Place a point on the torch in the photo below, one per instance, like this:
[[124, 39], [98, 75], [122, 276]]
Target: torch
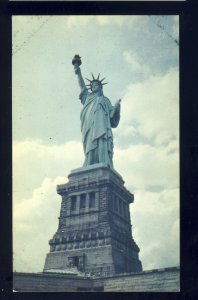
[[76, 61]]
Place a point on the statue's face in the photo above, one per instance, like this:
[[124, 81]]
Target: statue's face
[[95, 87]]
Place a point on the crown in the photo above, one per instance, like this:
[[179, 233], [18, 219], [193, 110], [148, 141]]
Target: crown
[[95, 80]]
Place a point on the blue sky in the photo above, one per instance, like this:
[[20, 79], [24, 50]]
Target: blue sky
[[140, 63]]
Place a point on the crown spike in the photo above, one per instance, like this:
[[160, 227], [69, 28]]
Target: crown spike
[[98, 76], [88, 80], [93, 76], [102, 79], [104, 83]]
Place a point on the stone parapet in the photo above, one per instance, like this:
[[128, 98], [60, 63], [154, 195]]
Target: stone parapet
[[161, 280], [157, 280]]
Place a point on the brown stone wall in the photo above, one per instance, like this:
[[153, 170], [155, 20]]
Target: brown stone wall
[[30, 282], [162, 280]]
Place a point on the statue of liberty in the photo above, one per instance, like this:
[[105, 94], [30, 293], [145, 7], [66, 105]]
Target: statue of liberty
[[98, 116]]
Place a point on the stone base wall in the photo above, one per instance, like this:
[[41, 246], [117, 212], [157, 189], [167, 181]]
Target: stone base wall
[[162, 280], [32, 282]]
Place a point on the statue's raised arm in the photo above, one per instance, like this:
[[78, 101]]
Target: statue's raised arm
[[76, 61]]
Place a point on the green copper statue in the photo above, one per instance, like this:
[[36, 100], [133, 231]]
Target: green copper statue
[[98, 116]]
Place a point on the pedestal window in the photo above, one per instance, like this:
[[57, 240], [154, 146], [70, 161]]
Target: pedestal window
[[92, 200], [73, 203], [82, 201]]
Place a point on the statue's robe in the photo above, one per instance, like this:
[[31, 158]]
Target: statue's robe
[[97, 118]]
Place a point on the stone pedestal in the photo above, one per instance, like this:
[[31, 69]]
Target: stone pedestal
[[94, 232]]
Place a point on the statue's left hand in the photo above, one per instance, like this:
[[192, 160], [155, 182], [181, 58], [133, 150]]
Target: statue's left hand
[[117, 103]]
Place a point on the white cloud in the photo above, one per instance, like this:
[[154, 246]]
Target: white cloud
[[153, 105], [35, 221], [64, 151], [155, 219], [137, 66], [122, 20], [106, 20], [76, 20], [129, 131], [144, 165], [33, 161]]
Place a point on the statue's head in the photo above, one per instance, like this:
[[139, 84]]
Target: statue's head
[[96, 84]]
